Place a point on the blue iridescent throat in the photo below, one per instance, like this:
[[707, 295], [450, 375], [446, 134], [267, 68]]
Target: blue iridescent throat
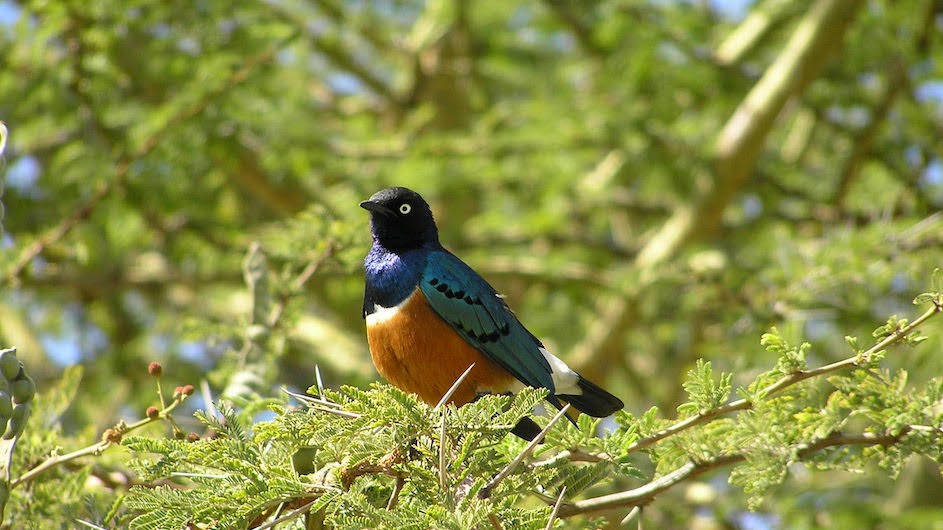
[[391, 277]]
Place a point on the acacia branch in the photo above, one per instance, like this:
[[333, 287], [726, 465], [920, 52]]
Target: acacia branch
[[110, 437], [741, 140], [485, 492], [753, 30], [297, 286], [645, 494], [784, 382]]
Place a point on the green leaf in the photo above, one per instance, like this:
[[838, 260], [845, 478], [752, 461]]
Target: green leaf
[[704, 392], [925, 298], [853, 342]]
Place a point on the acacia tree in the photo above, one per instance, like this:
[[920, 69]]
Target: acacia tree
[[709, 211]]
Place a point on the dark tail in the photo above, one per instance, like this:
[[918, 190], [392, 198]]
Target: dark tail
[[594, 400], [526, 429]]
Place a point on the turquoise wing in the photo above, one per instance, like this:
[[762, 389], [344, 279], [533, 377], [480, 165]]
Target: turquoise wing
[[475, 310]]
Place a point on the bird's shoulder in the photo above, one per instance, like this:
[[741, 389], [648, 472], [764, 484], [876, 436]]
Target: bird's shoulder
[[476, 311], [463, 297], [446, 276]]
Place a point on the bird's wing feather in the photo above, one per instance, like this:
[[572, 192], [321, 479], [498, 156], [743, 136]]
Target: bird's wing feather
[[473, 308]]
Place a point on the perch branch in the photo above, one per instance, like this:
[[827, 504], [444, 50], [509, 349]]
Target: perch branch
[[644, 494], [785, 382]]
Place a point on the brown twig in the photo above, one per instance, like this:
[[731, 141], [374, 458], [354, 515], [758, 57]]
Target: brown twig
[[397, 489]]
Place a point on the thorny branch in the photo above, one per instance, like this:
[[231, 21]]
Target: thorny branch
[[110, 437], [645, 494], [785, 382]]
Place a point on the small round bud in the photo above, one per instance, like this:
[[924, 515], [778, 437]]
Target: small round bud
[[178, 391], [152, 413], [155, 369], [187, 390], [112, 436], [193, 437], [180, 435]]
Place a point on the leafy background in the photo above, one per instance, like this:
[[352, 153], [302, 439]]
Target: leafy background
[[650, 183]]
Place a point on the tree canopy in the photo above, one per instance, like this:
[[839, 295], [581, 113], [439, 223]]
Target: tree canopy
[[721, 211]]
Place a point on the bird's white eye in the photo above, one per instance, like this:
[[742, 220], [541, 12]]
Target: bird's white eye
[[405, 208]]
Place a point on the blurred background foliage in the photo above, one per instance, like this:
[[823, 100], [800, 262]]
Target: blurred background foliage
[[645, 180]]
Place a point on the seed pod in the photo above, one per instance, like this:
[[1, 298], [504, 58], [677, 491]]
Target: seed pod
[[9, 364], [23, 390], [6, 407], [17, 421]]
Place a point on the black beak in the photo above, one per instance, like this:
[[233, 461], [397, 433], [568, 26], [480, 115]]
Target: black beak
[[374, 207]]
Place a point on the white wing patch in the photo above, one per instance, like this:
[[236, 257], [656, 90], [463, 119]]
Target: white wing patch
[[381, 315], [565, 380]]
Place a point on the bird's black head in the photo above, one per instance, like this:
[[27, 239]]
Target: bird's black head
[[400, 219]]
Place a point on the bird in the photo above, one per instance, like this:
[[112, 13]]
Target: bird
[[429, 317]]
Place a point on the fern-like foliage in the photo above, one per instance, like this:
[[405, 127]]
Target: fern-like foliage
[[361, 459]]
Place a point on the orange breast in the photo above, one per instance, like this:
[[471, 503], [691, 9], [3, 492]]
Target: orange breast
[[417, 351]]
